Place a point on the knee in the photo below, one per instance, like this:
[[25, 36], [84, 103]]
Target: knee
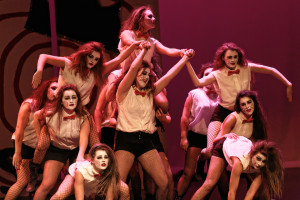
[[208, 185], [46, 187], [188, 174], [163, 184]]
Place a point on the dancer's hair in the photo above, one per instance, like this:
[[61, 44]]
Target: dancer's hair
[[220, 53], [134, 20], [79, 58], [259, 122], [39, 95], [110, 176], [272, 172], [203, 68]]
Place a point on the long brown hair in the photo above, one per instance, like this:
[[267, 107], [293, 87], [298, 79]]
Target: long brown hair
[[259, 124], [220, 53], [79, 57], [39, 95], [110, 176], [134, 20], [272, 173]]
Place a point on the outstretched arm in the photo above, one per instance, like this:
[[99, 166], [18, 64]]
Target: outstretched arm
[[46, 59], [169, 51], [274, 72], [129, 78], [83, 139], [165, 80], [253, 188], [206, 80], [112, 64], [79, 186], [236, 171], [184, 144], [22, 121], [226, 128]]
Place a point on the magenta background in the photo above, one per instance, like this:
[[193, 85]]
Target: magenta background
[[268, 31]]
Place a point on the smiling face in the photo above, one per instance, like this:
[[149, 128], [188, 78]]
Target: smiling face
[[258, 160], [247, 106], [142, 78], [231, 58], [69, 101], [101, 160], [92, 59], [51, 91], [149, 20]]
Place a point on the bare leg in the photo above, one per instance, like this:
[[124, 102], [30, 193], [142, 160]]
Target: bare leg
[[65, 189], [212, 131], [216, 168], [52, 170], [22, 179], [152, 163], [189, 170], [169, 174]]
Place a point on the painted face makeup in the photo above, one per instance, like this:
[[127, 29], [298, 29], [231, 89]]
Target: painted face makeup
[[101, 160], [52, 91], [149, 20], [247, 106], [69, 101], [92, 59], [142, 78], [231, 59], [258, 161]]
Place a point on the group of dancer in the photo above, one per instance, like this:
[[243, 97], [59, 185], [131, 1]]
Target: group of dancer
[[222, 121]]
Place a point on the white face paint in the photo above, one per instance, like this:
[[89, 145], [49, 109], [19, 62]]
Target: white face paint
[[247, 106], [231, 58], [101, 160], [149, 20], [258, 161], [92, 59], [69, 100], [142, 78], [51, 91]]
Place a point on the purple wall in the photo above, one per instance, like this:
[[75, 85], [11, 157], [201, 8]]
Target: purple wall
[[268, 31]]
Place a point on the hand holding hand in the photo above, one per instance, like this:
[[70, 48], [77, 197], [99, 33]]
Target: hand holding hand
[[190, 53], [145, 45]]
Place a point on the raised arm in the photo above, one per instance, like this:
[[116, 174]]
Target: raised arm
[[206, 80], [165, 80], [253, 187], [274, 72], [79, 186], [129, 78], [236, 171], [184, 123], [169, 51], [226, 128], [83, 139], [112, 64], [22, 121], [46, 59]]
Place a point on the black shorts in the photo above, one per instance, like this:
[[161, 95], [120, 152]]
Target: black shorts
[[220, 113], [61, 155], [218, 149], [108, 136], [156, 142], [136, 143], [196, 140], [27, 152]]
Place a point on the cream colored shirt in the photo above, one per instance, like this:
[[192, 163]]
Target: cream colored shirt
[[136, 113], [227, 87]]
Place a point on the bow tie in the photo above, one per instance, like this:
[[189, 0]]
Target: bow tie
[[72, 117], [97, 175], [233, 72], [142, 93], [146, 35], [247, 121]]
